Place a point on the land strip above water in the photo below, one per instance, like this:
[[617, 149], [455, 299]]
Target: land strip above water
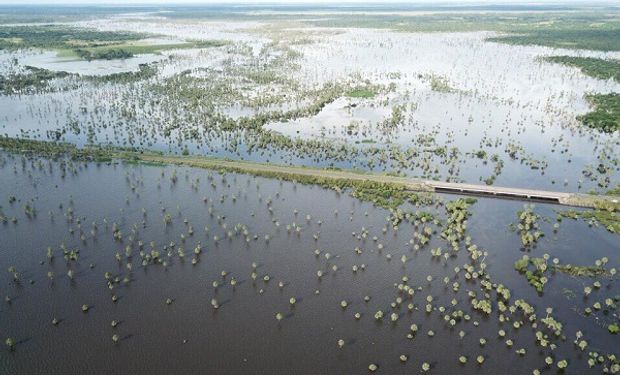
[[320, 176], [412, 184]]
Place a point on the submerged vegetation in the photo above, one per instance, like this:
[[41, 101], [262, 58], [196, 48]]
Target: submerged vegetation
[[562, 29], [87, 44], [127, 50], [536, 276], [608, 218], [362, 92], [34, 80], [606, 114], [59, 37], [528, 226], [539, 270], [588, 30], [603, 39], [37, 80], [250, 102], [302, 174], [594, 67], [382, 194], [480, 295], [107, 54], [440, 84]]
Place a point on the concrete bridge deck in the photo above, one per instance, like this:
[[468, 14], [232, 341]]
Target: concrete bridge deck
[[499, 191]]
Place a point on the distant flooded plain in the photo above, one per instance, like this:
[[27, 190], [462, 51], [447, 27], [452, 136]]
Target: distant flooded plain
[[466, 108]]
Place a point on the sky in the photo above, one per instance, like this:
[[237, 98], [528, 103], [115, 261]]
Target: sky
[[130, 2]]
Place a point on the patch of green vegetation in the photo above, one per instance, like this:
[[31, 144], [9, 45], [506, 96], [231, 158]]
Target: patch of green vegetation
[[33, 80], [395, 119], [145, 71], [105, 54], [440, 84], [535, 276], [528, 226], [87, 44], [586, 29], [583, 38], [198, 92], [384, 195], [127, 50], [609, 218], [580, 271], [613, 328], [58, 149], [597, 68], [60, 37], [362, 92], [205, 87], [606, 114], [36, 80], [456, 223]]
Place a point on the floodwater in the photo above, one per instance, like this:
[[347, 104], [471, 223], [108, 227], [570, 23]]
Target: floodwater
[[105, 223], [243, 335], [50, 61], [502, 100]]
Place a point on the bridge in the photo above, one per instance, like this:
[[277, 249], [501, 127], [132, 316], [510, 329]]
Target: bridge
[[298, 172], [500, 192]]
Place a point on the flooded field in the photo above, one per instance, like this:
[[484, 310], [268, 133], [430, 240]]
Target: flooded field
[[467, 109], [120, 264], [50, 61], [160, 245]]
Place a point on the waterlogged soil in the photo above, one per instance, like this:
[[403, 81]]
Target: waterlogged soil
[[239, 220]]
